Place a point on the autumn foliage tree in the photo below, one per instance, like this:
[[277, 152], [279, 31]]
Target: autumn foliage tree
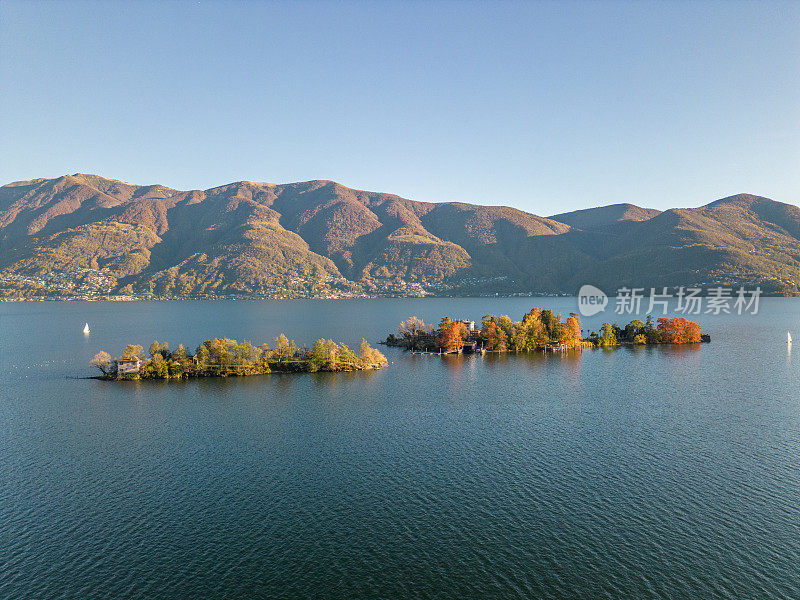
[[452, 336], [102, 361], [679, 331], [370, 356], [284, 348], [693, 333], [412, 327], [494, 338], [531, 332], [571, 332], [538, 328]]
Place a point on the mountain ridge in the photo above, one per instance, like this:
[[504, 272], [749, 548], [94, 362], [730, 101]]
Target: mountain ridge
[[84, 233], [600, 216]]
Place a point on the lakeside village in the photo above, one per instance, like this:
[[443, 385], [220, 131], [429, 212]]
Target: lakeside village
[[98, 287], [94, 285], [224, 357], [538, 331], [102, 285]]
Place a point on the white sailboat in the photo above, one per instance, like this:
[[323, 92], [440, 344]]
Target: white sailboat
[[788, 338], [86, 328]]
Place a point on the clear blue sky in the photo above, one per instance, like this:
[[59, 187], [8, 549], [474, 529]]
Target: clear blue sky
[[546, 106]]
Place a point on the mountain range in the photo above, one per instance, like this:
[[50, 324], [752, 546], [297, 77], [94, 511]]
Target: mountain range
[[85, 235]]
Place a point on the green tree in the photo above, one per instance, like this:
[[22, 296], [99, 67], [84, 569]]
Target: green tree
[[222, 355], [507, 325], [532, 332], [180, 355], [608, 336], [486, 319], [323, 355], [633, 329], [550, 322], [246, 357], [157, 348], [518, 341], [202, 356], [159, 366]]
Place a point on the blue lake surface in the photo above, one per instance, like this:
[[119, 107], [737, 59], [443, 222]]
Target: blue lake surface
[[668, 472]]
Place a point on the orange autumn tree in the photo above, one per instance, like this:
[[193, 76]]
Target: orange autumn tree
[[452, 336], [571, 333], [679, 331], [693, 334], [670, 331], [493, 337]]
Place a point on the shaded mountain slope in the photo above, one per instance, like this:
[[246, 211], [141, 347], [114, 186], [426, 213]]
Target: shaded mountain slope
[[742, 239]]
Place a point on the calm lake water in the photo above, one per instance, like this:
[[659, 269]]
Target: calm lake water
[[647, 473]]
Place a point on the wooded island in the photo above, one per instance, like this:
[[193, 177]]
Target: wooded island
[[539, 330], [223, 357]]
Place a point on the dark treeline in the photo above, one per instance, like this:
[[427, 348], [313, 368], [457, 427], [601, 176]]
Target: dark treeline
[[224, 357], [538, 330]]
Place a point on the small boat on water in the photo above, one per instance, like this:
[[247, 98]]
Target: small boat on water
[[788, 338], [86, 328]]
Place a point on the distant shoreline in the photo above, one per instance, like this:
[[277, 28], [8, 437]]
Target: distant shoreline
[[270, 298]]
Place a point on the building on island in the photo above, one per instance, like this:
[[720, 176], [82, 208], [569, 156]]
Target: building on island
[[128, 366], [470, 325]]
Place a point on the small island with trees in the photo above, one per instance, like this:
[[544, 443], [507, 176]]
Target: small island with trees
[[223, 357], [539, 330]]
